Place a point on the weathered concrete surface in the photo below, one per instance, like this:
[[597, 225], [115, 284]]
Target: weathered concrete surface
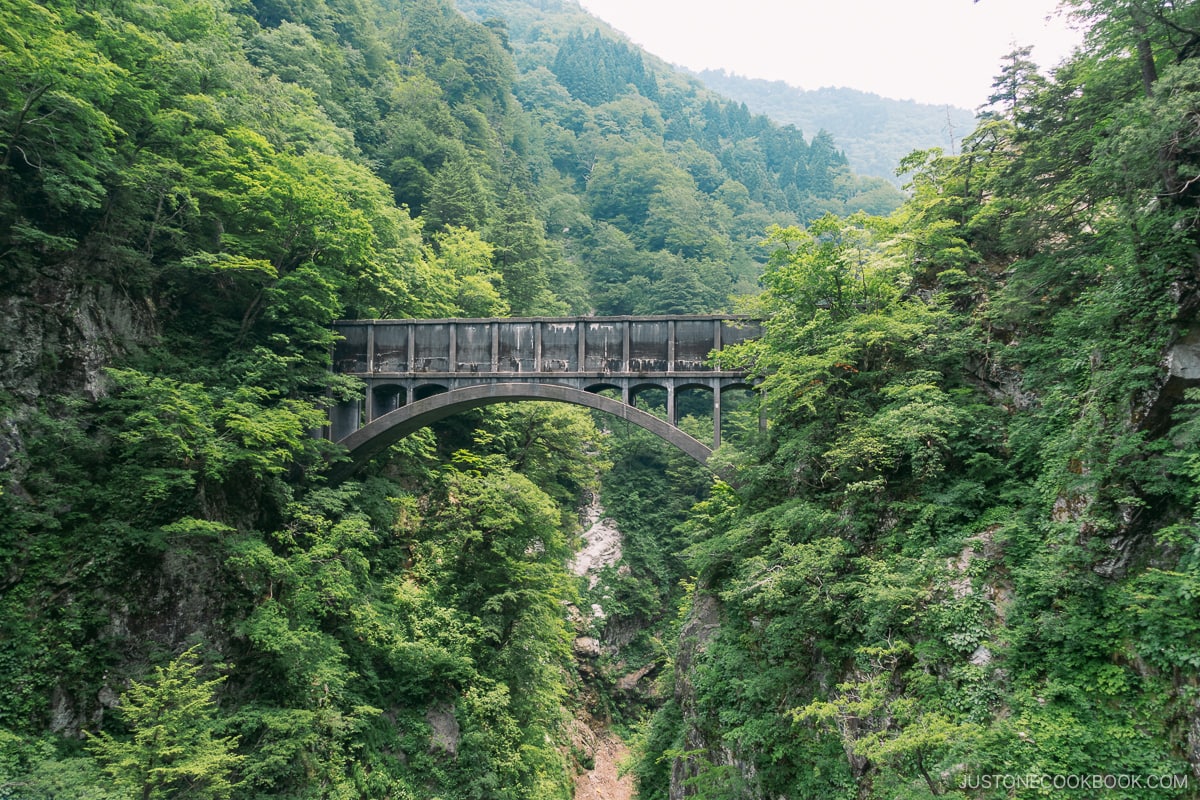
[[372, 439], [420, 371], [549, 345]]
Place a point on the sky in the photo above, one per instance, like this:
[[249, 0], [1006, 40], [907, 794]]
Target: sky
[[945, 52]]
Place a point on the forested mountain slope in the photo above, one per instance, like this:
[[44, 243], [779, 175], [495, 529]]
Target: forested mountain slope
[[190, 192], [964, 560], [967, 543], [875, 132]]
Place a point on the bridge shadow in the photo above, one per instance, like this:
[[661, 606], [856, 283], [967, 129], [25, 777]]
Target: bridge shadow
[[384, 431]]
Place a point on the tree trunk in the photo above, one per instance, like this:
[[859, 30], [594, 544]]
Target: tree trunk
[[1145, 55]]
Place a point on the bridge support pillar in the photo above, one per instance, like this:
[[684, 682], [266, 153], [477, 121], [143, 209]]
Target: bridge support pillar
[[344, 419], [716, 415], [384, 400], [537, 347], [625, 346], [495, 354], [671, 415]]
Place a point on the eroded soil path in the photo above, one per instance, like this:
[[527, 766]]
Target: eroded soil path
[[602, 548], [603, 782]]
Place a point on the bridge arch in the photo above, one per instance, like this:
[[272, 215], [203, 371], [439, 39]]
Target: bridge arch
[[685, 389], [653, 388], [428, 389], [388, 397], [602, 386], [384, 431]]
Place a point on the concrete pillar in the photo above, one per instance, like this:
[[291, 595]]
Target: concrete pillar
[[625, 334], [581, 329], [370, 397], [452, 361], [370, 402], [495, 333], [390, 402], [537, 347], [370, 348], [716, 412], [412, 348], [671, 418], [670, 348], [343, 419]]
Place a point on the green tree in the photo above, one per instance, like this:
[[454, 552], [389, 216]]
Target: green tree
[[175, 749], [684, 287], [522, 256], [465, 281], [1015, 86], [595, 69], [1153, 32], [457, 198], [57, 135]]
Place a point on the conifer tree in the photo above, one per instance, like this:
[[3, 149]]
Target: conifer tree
[[175, 750]]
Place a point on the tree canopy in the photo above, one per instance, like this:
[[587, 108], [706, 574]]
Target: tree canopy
[[964, 543]]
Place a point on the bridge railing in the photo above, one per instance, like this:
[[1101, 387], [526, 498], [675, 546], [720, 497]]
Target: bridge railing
[[531, 346]]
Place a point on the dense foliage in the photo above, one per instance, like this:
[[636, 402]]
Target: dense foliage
[[190, 192], [876, 133], [968, 545]]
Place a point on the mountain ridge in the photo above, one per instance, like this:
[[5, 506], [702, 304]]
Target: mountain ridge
[[874, 131]]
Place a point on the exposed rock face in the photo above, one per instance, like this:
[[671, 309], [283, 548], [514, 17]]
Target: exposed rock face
[[1002, 384], [60, 334], [597, 750], [1180, 372], [445, 732], [1183, 359], [1193, 743], [57, 334], [602, 544], [620, 631], [701, 626], [602, 548], [587, 647], [604, 751], [629, 683], [169, 603]]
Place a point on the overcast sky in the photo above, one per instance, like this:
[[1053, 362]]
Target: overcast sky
[[932, 51]]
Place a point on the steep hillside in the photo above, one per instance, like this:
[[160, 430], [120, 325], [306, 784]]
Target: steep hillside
[[190, 192], [963, 561], [874, 132], [965, 545]]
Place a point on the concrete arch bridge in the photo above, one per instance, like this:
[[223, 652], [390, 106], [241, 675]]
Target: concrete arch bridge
[[417, 372]]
